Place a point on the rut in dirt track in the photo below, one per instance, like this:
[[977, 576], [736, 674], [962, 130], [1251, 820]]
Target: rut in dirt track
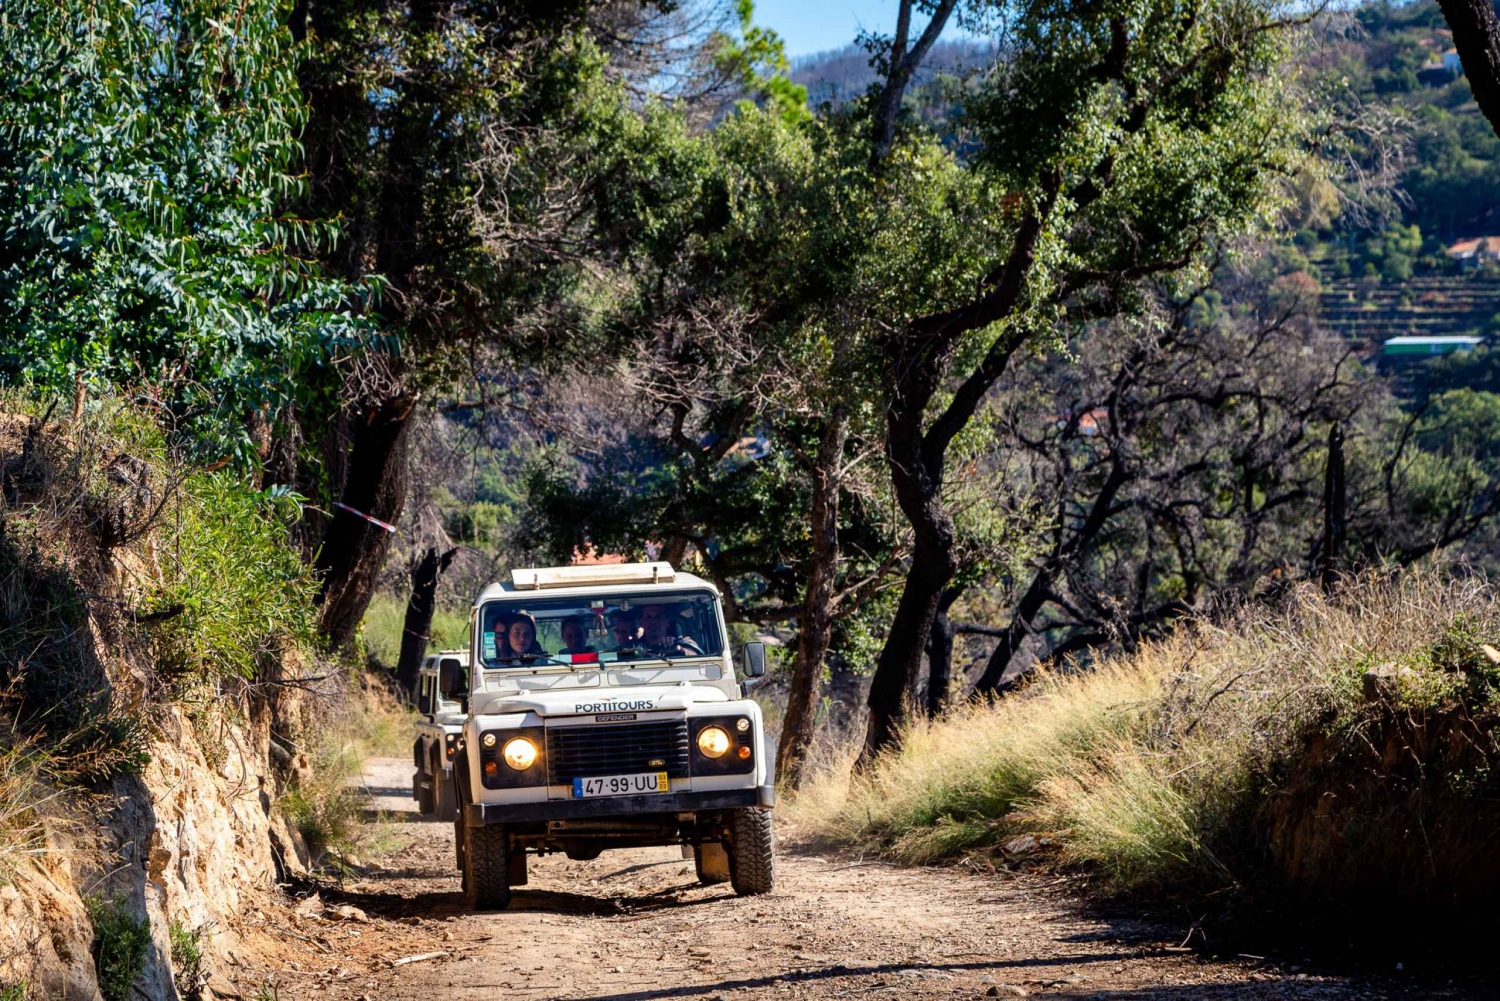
[[636, 925]]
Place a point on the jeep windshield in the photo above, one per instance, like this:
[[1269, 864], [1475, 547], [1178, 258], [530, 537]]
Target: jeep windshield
[[554, 630]]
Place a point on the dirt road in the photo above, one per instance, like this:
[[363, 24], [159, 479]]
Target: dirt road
[[636, 925]]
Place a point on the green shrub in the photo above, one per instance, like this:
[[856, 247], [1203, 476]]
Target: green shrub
[[120, 943], [242, 590], [187, 961]]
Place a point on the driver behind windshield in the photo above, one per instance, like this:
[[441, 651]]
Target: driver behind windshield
[[659, 637]]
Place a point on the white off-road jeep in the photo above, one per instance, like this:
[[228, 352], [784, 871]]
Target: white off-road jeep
[[604, 713], [440, 723]]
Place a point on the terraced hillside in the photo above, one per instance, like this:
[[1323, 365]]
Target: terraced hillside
[[1368, 312]]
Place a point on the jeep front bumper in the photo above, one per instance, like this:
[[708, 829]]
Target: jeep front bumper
[[763, 797]]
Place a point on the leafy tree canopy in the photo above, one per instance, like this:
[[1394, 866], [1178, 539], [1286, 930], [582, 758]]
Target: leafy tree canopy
[[146, 151]]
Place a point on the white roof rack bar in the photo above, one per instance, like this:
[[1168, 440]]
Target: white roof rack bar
[[617, 573]]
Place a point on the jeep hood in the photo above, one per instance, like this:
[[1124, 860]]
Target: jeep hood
[[580, 701]]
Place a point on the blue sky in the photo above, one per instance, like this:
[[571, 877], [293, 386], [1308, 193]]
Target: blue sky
[[815, 25]]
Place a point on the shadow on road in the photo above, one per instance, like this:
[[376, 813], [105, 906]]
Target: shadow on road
[[437, 903], [899, 971]]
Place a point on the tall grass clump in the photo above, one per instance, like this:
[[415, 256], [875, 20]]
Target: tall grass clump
[[24, 791], [1322, 748]]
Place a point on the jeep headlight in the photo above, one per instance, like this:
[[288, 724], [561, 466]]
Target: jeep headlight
[[519, 753], [713, 742]]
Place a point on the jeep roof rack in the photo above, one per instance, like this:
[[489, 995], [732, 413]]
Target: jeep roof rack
[[576, 576]]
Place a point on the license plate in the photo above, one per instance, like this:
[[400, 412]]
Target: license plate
[[620, 785]]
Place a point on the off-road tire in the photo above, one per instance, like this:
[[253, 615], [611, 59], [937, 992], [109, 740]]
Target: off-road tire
[[485, 849], [705, 877], [446, 808], [425, 804], [752, 851]]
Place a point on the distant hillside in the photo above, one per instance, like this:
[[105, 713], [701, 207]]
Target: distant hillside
[[843, 74]]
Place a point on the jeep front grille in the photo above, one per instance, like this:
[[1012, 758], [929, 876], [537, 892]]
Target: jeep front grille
[[617, 749]]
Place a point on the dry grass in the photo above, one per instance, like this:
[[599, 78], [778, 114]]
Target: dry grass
[[1203, 762], [24, 795], [327, 805], [960, 781]]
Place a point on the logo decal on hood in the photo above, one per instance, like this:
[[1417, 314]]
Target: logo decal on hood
[[613, 707]]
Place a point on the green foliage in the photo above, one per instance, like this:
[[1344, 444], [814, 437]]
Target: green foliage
[[120, 943], [146, 154], [187, 960], [757, 60], [1449, 179], [244, 593]]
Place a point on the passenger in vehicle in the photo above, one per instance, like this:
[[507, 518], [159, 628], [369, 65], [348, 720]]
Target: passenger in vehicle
[[520, 639], [625, 628], [659, 634], [575, 636]]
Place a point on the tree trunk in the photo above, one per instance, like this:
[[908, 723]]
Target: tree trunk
[[1334, 506], [940, 653], [815, 624], [900, 663], [991, 682], [1476, 36], [419, 608], [903, 65], [917, 476], [354, 549]]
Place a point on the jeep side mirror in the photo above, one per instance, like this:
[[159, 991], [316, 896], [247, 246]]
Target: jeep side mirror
[[755, 659], [451, 680], [424, 703]]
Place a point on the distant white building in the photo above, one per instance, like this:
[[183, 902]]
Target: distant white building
[[1471, 250]]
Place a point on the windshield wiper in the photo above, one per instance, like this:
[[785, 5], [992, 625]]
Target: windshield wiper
[[626, 651], [532, 658]]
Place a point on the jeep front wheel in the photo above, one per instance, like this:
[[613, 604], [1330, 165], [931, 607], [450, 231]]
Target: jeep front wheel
[[486, 854], [752, 851]]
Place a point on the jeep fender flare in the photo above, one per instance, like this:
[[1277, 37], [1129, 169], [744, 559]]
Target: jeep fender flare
[[461, 778]]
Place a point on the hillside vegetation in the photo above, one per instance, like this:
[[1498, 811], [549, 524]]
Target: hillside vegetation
[[160, 691], [1335, 750]]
